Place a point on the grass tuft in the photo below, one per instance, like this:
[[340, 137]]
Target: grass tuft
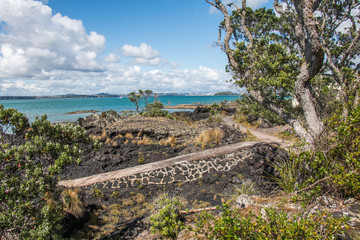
[[72, 202]]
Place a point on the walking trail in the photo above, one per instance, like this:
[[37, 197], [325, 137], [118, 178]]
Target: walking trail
[[258, 133], [263, 137]]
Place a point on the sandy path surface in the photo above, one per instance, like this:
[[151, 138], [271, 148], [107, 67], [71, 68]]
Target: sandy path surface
[[258, 133]]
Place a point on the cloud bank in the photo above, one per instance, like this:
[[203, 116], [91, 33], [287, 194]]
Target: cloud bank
[[42, 53]]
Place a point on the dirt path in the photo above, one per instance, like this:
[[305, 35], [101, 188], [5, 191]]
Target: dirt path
[[259, 134], [155, 165]]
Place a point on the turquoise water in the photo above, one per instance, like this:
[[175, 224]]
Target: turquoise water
[[56, 109]]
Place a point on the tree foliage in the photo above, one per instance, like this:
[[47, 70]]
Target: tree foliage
[[307, 51], [137, 97], [31, 157], [150, 109]]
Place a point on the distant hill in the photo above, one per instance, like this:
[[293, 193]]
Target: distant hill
[[226, 93]]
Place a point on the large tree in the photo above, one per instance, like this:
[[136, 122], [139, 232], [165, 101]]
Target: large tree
[[307, 50]]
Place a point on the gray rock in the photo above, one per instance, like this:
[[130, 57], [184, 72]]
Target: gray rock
[[244, 201]]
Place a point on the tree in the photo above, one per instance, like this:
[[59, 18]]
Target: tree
[[31, 157], [134, 98], [291, 53]]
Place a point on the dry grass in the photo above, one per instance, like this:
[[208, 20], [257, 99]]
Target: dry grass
[[218, 135], [49, 200], [118, 136], [170, 141], [103, 136], [139, 198], [129, 135], [72, 202], [127, 202], [210, 135], [188, 121], [145, 140]]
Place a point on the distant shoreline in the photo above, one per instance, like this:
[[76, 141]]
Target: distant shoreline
[[103, 95]]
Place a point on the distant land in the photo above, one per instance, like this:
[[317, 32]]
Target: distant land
[[227, 93], [107, 95]]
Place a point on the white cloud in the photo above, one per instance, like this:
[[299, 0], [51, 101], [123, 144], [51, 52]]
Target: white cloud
[[144, 54], [112, 58], [119, 78], [34, 41], [143, 51]]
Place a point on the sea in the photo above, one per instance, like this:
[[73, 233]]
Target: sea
[[57, 109]]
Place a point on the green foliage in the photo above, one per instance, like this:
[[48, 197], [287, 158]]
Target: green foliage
[[215, 112], [31, 156], [141, 159], [247, 187], [336, 157], [154, 109], [97, 193], [151, 109], [275, 224], [288, 170], [137, 97], [249, 111], [167, 221], [273, 61]]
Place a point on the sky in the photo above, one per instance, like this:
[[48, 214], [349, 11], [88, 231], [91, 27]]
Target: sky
[[53, 47]]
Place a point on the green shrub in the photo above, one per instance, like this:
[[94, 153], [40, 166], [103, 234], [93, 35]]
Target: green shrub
[[275, 224], [31, 157], [248, 111], [154, 109], [288, 170], [334, 165], [141, 159], [167, 221]]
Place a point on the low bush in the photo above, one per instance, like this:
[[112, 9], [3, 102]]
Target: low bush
[[167, 221], [31, 157], [273, 224], [289, 174], [154, 109], [333, 167]]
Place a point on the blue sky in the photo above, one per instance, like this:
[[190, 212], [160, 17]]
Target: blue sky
[[115, 46]]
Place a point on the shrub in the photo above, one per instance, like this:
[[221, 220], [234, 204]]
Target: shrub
[[275, 224], [154, 109], [141, 159], [31, 156], [334, 165], [289, 173], [249, 112], [167, 221], [247, 187]]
